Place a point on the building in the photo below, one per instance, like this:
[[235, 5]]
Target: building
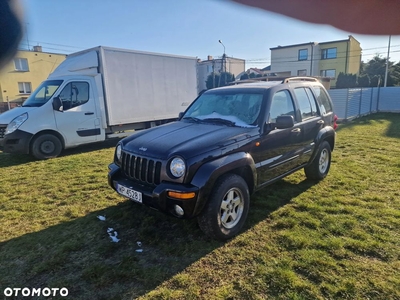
[[25, 72], [326, 59], [205, 68]]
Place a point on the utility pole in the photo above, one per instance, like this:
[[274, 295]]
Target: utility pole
[[26, 32], [387, 62], [223, 59]]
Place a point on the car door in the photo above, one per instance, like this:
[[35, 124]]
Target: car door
[[278, 150], [78, 123], [311, 121]]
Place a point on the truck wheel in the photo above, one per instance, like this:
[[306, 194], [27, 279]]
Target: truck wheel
[[225, 213], [319, 167], [46, 146]]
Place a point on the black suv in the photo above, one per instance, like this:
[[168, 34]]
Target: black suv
[[229, 143]]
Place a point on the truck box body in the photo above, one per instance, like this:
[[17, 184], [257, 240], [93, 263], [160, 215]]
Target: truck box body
[[101, 92], [138, 86]]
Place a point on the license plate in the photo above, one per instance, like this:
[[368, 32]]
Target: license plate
[[131, 194]]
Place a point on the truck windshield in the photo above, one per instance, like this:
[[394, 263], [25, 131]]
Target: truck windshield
[[43, 93], [242, 109]]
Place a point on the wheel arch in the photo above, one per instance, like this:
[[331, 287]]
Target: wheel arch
[[207, 175], [48, 131]]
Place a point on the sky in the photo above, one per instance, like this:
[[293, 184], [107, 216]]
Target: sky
[[180, 27]]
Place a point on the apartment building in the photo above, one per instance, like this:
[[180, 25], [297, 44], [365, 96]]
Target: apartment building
[[25, 72], [326, 59], [232, 65]]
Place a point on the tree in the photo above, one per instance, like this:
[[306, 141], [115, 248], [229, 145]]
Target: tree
[[219, 79], [376, 68], [345, 81], [244, 76], [364, 80]]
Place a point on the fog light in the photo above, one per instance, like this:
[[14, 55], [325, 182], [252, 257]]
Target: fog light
[[179, 210]]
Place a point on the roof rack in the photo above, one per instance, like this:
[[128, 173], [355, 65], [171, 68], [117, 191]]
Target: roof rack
[[291, 79]]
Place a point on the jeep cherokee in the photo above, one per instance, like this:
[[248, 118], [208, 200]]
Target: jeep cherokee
[[229, 143]]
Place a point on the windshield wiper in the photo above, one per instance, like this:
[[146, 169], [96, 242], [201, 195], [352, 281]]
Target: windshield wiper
[[192, 119], [219, 120]]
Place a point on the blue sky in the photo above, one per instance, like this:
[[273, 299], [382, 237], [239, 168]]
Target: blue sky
[[181, 27]]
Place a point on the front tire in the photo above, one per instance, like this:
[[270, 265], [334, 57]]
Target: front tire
[[320, 166], [226, 212], [46, 146]]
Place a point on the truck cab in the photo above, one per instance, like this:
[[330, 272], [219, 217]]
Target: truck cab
[[40, 128]]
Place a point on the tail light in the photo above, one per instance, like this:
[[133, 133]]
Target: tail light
[[335, 125]]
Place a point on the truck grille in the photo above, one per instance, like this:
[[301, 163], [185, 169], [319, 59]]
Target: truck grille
[[2, 131], [141, 168]]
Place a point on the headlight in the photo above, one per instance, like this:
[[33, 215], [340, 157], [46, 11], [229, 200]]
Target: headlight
[[177, 167], [118, 153], [14, 125]]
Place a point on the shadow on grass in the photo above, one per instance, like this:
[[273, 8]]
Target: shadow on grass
[[9, 159], [79, 255]]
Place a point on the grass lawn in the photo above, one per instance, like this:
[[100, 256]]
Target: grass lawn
[[336, 239]]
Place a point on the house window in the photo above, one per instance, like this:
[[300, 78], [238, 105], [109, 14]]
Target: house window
[[21, 64], [328, 73], [24, 87], [301, 72], [303, 54], [209, 68], [329, 53]]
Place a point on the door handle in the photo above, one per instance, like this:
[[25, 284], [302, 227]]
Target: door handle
[[89, 113], [296, 130], [321, 122]]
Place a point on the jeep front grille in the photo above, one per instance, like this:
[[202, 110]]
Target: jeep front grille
[[141, 169], [2, 131]]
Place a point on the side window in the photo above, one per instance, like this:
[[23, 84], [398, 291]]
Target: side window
[[313, 102], [281, 104], [323, 100], [306, 100], [74, 94]]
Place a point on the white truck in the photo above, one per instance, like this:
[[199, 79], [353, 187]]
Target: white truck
[[96, 94]]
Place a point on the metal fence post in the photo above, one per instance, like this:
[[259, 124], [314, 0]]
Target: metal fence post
[[347, 104], [377, 100], [370, 100], [359, 105]]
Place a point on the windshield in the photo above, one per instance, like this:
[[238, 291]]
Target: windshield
[[43, 93], [241, 109]]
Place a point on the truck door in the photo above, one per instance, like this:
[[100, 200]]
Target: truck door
[[278, 152], [78, 122]]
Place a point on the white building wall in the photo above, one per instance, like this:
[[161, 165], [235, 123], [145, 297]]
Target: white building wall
[[205, 68], [286, 59]]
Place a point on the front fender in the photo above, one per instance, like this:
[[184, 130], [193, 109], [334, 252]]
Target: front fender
[[241, 163]]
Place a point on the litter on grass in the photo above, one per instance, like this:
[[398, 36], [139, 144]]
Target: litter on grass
[[113, 235], [101, 218]]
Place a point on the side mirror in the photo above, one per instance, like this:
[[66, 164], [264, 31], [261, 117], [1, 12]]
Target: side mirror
[[57, 104], [180, 115], [283, 122]]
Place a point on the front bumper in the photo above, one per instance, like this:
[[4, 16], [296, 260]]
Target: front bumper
[[157, 196], [16, 142]]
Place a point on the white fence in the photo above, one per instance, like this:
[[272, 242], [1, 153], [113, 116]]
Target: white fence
[[352, 103]]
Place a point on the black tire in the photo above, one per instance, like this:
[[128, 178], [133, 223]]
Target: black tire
[[319, 167], [227, 209], [46, 146]]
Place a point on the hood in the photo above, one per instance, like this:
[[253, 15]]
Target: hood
[[9, 115], [184, 139]]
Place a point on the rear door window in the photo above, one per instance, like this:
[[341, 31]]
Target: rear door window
[[306, 101], [323, 100]]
